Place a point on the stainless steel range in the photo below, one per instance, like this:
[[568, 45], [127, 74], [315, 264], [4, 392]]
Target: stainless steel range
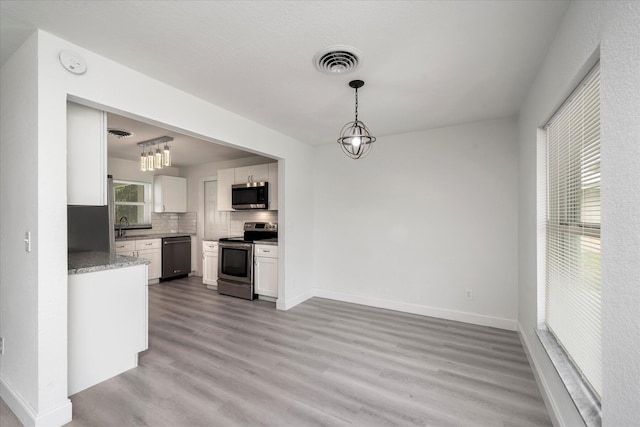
[[235, 259]]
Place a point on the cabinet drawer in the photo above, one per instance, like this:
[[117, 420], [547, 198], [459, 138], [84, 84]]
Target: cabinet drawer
[[267, 251], [210, 247], [148, 244], [128, 246]]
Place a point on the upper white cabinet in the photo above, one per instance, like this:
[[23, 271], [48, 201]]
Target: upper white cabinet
[[225, 179], [267, 172], [257, 173], [86, 156], [169, 194]]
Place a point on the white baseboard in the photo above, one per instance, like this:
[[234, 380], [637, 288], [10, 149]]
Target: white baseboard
[[476, 319], [543, 385], [292, 302], [56, 417]]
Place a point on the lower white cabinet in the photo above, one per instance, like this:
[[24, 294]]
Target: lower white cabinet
[[265, 271], [149, 249], [210, 264]]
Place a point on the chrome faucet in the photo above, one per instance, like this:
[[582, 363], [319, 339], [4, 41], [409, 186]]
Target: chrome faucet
[[126, 223]]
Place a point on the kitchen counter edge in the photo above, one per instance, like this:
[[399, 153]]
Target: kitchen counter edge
[[152, 236], [92, 261]]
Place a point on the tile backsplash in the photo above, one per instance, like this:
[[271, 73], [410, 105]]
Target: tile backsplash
[[231, 224], [169, 223], [237, 220]]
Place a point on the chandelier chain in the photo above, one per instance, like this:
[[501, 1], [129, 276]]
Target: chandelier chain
[[356, 104]]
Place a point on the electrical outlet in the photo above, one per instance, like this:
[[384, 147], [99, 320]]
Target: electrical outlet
[[1, 346], [468, 294]]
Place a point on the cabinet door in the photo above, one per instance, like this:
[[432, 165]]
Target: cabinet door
[[210, 268], [225, 179], [151, 250], [256, 173], [273, 186], [154, 256], [266, 276], [169, 194], [86, 156], [126, 247]]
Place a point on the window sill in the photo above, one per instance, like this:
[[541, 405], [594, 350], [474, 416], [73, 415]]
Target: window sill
[[585, 401]]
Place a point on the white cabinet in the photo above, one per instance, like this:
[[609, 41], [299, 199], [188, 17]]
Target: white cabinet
[[225, 179], [210, 264], [169, 194], [126, 248], [107, 324], [256, 173], [86, 156], [266, 270], [267, 172], [149, 249], [273, 186]]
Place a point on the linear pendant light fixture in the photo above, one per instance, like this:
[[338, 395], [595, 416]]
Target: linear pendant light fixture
[[151, 160], [355, 139]]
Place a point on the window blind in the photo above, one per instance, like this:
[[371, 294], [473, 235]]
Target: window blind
[[573, 228]]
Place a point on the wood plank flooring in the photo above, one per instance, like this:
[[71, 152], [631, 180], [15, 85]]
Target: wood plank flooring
[[221, 361]]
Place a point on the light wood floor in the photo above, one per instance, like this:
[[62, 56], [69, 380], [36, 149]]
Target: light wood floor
[[221, 361]]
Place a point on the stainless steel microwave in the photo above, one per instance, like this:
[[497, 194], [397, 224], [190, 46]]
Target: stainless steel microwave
[[252, 195]]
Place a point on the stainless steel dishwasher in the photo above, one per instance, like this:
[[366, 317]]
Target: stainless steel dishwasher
[[176, 257]]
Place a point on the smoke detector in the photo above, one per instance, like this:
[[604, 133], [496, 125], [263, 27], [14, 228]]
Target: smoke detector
[[118, 133], [337, 60]]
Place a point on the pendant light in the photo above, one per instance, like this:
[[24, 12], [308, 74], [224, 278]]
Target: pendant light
[[143, 161], [159, 160], [355, 139], [150, 160], [166, 155]]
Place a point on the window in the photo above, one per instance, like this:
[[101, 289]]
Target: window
[[132, 201], [572, 273]]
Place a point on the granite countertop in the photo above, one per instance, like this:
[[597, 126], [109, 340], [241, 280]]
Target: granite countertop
[[91, 261], [151, 236]]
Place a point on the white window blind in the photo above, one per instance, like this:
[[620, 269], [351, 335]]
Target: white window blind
[[573, 228]]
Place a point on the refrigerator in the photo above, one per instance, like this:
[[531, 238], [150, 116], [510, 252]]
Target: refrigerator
[[91, 228]]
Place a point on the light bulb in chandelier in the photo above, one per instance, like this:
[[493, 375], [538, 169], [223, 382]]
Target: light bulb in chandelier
[[143, 162], [159, 160], [150, 160], [166, 155]]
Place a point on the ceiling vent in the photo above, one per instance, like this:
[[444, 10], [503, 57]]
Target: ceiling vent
[[119, 133], [338, 60]]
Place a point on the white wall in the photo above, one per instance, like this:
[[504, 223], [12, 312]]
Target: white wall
[[23, 289], [425, 216], [118, 89], [610, 30]]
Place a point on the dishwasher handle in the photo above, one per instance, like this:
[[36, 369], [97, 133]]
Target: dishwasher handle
[[171, 242]]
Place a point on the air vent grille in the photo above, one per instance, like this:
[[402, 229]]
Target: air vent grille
[[337, 60], [118, 133]]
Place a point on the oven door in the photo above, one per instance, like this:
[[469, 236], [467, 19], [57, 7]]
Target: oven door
[[235, 262]]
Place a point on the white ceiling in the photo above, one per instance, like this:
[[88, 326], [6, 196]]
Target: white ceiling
[[426, 63], [185, 150]]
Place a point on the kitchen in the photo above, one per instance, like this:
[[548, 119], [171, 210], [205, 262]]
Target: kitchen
[[152, 221]]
